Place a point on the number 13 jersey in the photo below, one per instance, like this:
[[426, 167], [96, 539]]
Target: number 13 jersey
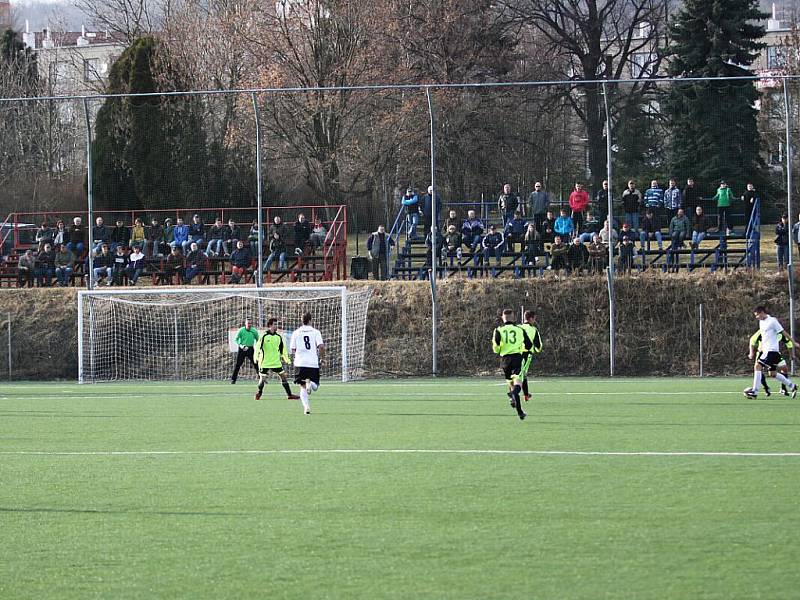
[[304, 343]]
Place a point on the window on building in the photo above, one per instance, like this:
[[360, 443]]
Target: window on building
[[91, 69], [775, 57], [641, 64]]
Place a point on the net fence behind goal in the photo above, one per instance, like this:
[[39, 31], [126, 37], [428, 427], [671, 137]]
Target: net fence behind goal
[[184, 334]]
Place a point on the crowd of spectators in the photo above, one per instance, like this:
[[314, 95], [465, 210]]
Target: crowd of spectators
[[179, 252]]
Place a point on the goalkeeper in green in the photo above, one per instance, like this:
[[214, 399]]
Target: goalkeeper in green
[[511, 341], [271, 354], [536, 347]]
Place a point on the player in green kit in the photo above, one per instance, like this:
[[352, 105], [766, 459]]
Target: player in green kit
[[271, 355], [536, 347], [510, 341]]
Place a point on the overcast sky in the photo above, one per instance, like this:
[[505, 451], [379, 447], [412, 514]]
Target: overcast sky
[[42, 12]]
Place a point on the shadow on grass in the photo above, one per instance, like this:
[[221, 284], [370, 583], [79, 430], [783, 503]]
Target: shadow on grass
[[92, 511]]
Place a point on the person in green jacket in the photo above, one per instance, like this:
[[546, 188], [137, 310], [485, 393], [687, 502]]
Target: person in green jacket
[[723, 197], [246, 339]]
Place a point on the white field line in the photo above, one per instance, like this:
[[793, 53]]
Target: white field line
[[400, 451]]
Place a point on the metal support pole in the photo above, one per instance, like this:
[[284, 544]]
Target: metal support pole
[[260, 274], [702, 316], [434, 253], [790, 267], [8, 330], [89, 191], [611, 296]]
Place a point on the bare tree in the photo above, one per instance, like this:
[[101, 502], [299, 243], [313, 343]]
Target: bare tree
[[127, 18]]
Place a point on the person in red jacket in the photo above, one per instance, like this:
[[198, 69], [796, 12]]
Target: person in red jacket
[[578, 201]]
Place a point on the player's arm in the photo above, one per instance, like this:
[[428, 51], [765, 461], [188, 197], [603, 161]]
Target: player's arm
[[320, 349], [496, 340], [536, 341], [259, 351], [526, 340], [755, 340], [788, 341], [282, 351], [293, 343]]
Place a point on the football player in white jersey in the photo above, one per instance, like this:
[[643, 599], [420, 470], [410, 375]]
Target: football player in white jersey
[[309, 351], [770, 357]]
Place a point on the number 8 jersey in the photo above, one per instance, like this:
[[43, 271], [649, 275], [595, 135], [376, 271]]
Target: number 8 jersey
[[304, 343]]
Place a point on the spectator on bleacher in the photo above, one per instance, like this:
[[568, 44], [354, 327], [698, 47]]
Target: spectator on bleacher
[[180, 236], [99, 235], [564, 226], [26, 269], [548, 227], [119, 265], [649, 231], [608, 235], [626, 249], [241, 258], [169, 235], [600, 208], [515, 232], [508, 203], [749, 199], [174, 265], [233, 234], [197, 231], [590, 227], [492, 245], [138, 237], [472, 231], [654, 197], [102, 264], [673, 200], [691, 195], [796, 234], [77, 237], [318, 234], [598, 253], [155, 237], [410, 202], [632, 204], [60, 235], [46, 266], [538, 203], [782, 241], [452, 219], [723, 199], [432, 247], [277, 250], [195, 260], [679, 230], [135, 265], [427, 209], [119, 236], [577, 256], [453, 242], [64, 265], [558, 254], [699, 227], [44, 235], [216, 235], [533, 244], [379, 244], [578, 202], [277, 226], [627, 232], [252, 235], [302, 234]]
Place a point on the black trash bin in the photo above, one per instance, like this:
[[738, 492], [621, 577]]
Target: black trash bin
[[359, 267]]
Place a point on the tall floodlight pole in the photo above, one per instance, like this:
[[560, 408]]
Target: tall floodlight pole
[[260, 275], [434, 213], [790, 269], [89, 191], [611, 297]]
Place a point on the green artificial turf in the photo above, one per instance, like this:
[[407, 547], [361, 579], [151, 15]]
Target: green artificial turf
[[198, 522]]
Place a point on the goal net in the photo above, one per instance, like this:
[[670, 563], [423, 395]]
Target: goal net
[[183, 334]]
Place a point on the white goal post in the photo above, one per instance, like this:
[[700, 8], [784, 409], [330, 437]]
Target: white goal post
[[181, 334]]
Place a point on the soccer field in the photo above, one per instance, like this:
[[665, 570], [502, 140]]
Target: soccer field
[[624, 488]]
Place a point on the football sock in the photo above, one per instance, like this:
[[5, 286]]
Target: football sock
[[525, 387], [260, 386], [764, 381], [304, 398], [314, 386], [783, 379], [285, 385], [756, 381], [516, 390]]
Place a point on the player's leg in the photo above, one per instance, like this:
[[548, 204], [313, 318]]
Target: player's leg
[[250, 356], [300, 379], [285, 384], [239, 362], [262, 381], [765, 384], [517, 388], [526, 364], [790, 385], [757, 373]]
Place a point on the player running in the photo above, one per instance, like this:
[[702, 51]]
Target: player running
[[270, 356], [510, 341], [770, 357], [755, 345], [309, 352], [536, 347]]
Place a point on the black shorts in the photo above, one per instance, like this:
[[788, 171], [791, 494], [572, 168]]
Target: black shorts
[[276, 370], [303, 373], [770, 360], [512, 365]]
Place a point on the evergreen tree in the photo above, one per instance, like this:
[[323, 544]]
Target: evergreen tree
[[714, 133]]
